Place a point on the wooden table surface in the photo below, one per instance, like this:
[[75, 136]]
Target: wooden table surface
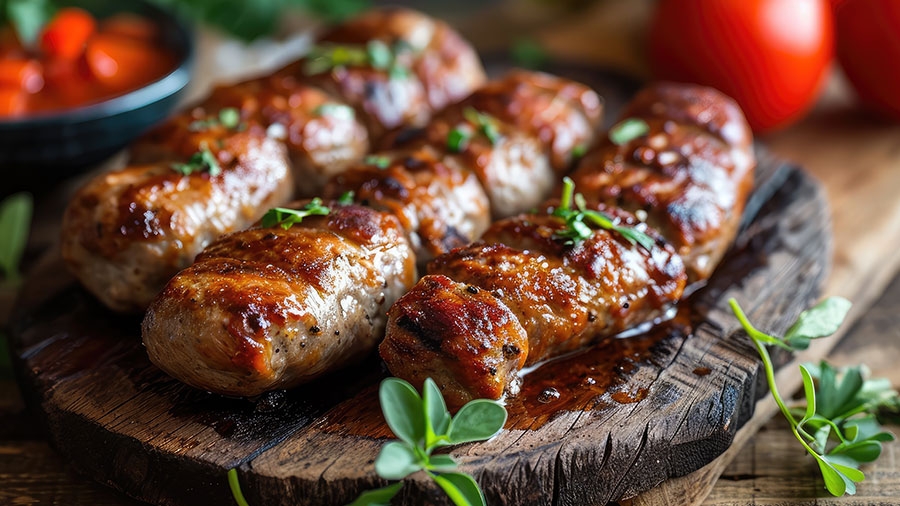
[[858, 161]]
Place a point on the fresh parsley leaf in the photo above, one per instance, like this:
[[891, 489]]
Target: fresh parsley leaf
[[579, 151], [478, 420], [577, 230], [377, 497], [227, 117], [201, 161], [837, 425], [484, 123], [346, 198], [458, 138], [821, 320], [424, 424], [339, 111], [402, 408], [375, 53], [286, 217], [230, 117], [627, 130], [380, 161], [15, 224], [461, 489]]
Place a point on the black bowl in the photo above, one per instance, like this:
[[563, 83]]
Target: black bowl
[[65, 142]]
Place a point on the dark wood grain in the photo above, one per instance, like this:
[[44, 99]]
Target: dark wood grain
[[652, 410]]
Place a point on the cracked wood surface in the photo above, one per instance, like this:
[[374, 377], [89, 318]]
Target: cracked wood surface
[[123, 422]]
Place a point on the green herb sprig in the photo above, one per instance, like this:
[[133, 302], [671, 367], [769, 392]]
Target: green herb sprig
[[627, 130], [375, 53], [476, 123], [286, 218], [838, 424], [380, 161], [423, 425], [15, 224], [227, 117], [201, 161], [579, 219]]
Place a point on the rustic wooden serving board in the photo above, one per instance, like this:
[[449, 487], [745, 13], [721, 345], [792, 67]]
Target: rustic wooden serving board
[[629, 414]]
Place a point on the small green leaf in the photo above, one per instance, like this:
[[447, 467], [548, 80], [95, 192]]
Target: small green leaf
[[396, 461], [346, 198], [15, 224], [821, 320], [809, 390], [201, 161], [458, 138], [835, 482], [28, 17], [380, 55], [478, 420], [380, 161], [403, 410], [437, 418], [229, 117], [286, 217], [461, 489], [627, 130], [377, 497], [442, 463]]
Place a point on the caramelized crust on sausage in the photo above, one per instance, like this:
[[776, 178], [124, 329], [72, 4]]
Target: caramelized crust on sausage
[[563, 297], [541, 122], [269, 308], [324, 121], [691, 173], [127, 232], [689, 176], [322, 135], [440, 207]]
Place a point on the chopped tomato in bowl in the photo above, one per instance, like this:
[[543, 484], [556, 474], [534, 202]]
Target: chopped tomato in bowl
[[93, 76]]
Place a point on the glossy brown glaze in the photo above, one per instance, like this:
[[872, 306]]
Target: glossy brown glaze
[[440, 207], [563, 299], [324, 121], [541, 122], [125, 233], [692, 179], [691, 173], [270, 308], [321, 133]]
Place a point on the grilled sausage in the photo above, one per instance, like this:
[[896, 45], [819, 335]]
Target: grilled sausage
[[126, 232], [319, 116], [690, 173], [269, 308], [565, 294], [539, 122], [438, 203]]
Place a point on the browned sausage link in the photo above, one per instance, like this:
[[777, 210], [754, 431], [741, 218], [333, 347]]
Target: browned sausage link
[[126, 232], [319, 127], [395, 66], [563, 297], [540, 123], [691, 173], [322, 134], [440, 207], [269, 308]]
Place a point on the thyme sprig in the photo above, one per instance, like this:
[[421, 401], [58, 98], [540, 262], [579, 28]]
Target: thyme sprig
[[579, 219], [838, 424]]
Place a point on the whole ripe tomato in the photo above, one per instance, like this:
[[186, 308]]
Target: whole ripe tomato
[[771, 56], [868, 48]]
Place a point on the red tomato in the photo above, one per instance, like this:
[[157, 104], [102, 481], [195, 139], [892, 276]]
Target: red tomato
[[13, 102], [868, 48], [66, 34], [123, 63], [771, 56], [26, 75]]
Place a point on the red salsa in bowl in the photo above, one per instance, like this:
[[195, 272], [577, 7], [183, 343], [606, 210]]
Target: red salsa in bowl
[[77, 59]]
